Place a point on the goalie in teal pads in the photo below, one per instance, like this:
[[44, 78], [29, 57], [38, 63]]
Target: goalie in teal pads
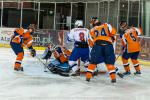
[[59, 64]]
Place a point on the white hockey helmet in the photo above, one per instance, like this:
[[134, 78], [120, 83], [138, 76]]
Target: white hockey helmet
[[78, 23]]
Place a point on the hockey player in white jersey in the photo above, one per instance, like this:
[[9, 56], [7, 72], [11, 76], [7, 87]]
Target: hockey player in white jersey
[[80, 37]]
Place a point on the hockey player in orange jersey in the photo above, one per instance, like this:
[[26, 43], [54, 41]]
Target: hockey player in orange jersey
[[94, 21], [102, 37], [132, 48], [20, 39]]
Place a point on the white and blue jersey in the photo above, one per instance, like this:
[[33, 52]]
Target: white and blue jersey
[[80, 37]]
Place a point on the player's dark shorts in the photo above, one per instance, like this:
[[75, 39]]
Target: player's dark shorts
[[133, 55], [17, 48], [77, 53], [101, 53]]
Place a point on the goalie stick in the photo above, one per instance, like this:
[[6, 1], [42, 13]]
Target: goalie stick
[[45, 65]]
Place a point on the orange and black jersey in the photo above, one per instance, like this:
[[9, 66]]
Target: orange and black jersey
[[104, 32], [62, 54], [131, 41], [27, 39], [22, 38], [17, 36]]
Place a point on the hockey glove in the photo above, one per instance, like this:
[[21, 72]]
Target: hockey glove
[[33, 52]]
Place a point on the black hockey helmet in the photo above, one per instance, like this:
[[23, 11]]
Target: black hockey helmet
[[123, 24], [95, 21]]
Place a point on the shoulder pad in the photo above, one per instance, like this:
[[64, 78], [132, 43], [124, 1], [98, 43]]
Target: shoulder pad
[[20, 31]]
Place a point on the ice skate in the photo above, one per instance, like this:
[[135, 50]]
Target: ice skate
[[76, 73], [127, 73], [88, 79], [120, 75], [18, 69], [95, 73], [137, 73], [113, 81]]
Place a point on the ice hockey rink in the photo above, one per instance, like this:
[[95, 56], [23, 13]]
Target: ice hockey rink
[[35, 84]]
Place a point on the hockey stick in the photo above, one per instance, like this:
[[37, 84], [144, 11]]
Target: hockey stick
[[53, 46], [45, 65]]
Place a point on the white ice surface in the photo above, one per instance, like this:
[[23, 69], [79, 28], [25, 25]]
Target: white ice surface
[[34, 84]]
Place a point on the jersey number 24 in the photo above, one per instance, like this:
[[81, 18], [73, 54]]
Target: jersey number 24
[[103, 33]]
